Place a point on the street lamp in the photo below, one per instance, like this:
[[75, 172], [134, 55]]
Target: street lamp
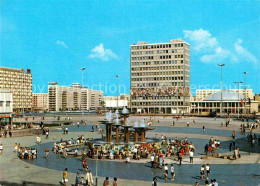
[[245, 90], [238, 83], [221, 65], [82, 69], [117, 76]]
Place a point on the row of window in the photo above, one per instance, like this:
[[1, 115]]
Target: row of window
[[156, 68], [154, 84], [158, 62], [7, 103], [157, 78], [157, 46], [156, 52], [158, 103]]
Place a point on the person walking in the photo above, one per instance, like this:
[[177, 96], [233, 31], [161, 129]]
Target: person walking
[[152, 161], [78, 181], [173, 123], [191, 156], [84, 165], [203, 128], [172, 172], [65, 177], [154, 181], [207, 170], [230, 146], [166, 168], [89, 178], [47, 152], [180, 157], [106, 182], [115, 182], [202, 172]]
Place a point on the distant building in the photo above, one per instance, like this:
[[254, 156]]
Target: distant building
[[40, 101], [232, 103], [203, 93], [160, 77], [62, 98], [6, 107], [19, 82], [111, 101]]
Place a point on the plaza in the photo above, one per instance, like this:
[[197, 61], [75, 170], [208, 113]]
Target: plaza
[[42, 171]]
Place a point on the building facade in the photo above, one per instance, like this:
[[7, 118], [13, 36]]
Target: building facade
[[112, 102], [40, 101], [232, 103], [160, 77], [203, 93], [19, 82], [6, 107], [62, 98]]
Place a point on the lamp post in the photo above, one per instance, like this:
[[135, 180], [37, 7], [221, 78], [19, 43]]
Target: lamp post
[[117, 76], [238, 84], [82, 69], [245, 92], [221, 65]]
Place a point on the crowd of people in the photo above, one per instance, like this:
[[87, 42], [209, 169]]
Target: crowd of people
[[25, 152]]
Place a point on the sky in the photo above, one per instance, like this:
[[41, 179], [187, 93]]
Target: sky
[[55, 38]]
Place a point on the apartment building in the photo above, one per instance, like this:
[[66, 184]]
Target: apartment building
[[40, 101], [160, 77], [19, 82], [63, 98], [201, 94]]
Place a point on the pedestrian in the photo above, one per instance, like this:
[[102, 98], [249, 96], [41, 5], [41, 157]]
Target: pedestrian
[[203, 128], [165, 176], [202, 172], [89, 178], [154, 181], [230, 146], [1, 148], [191, 156], [84, 165], [78, 124], [65, 177], [208, 170], [188, 124], [106, 182], [180, 157], [172, 172], [47, 152], [115, 182], [197, 184], [206, 149], [5, 133], [234, 143], [10, 133], [173, 123], [166, 168], [152, 161], [158, 120], [96, 125], [78, 181], [215, 183], [47, 133], [92, 130], [15, 147]]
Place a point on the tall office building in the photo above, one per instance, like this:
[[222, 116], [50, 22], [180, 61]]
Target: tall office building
[[160, 77], [19, 82], [62, 98]]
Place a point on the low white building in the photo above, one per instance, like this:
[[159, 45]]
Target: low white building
[[6, 107], [111, 101]]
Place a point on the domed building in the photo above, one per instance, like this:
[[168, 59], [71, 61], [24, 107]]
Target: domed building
[[232, 103]]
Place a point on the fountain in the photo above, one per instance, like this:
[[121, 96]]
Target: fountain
[[126, 134]]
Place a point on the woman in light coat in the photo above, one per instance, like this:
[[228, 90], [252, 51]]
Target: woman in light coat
[[89, 178]]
